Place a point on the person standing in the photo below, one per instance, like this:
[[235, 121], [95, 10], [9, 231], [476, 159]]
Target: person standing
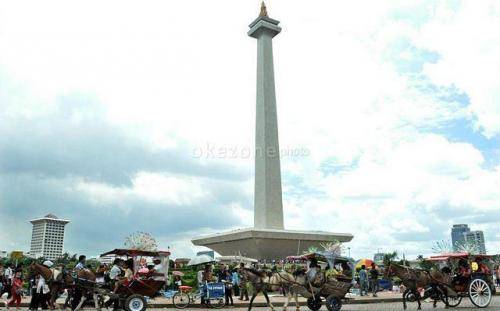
[[235, 278], [206, 276], [363, 281], [81, 263], [497, 274], [8, 274], [228, 282], [77, 294], [159, 270], [374, 279], [243, 283], [16, 291], [114, 274]]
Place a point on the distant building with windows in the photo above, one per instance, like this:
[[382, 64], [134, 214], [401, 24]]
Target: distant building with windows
[[458, 234], [476, 237], [378, 258], [47, 237]]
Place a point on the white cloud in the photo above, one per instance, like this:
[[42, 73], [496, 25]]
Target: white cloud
[[180, 75]]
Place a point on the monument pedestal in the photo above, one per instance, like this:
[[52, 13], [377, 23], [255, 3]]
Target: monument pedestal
[[267, 243]]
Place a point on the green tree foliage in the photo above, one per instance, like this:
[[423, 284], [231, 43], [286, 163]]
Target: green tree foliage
[[389, 257], [425, 264]]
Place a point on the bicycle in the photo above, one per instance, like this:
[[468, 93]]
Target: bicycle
[[212, 293]]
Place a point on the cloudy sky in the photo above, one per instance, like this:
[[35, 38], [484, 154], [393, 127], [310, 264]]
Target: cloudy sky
[[110, 112]]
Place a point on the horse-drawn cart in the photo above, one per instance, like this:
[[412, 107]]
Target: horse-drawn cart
[[332, 283], [132, 296], [473, 278]]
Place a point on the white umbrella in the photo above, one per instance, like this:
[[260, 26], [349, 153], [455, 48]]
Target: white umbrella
[[201, 259]]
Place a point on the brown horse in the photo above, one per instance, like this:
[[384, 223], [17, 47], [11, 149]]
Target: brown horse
[[58, 281], [415, 278], [264, 281]]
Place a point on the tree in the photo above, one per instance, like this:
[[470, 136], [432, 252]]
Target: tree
[[389, 257], [425, 264], [334, 247]]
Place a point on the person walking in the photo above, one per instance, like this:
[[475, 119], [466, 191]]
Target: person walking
[[16, 291], [374, 279], [363, 281], [243, 283]]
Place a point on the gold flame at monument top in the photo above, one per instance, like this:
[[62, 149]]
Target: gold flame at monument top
[[263, 10]]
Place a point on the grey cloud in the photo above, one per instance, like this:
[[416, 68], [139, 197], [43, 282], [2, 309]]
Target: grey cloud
[[43, 158], [76, 141]]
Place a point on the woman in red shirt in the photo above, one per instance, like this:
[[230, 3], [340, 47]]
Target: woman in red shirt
[[17, 287]]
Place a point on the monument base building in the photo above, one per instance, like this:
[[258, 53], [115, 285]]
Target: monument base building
[[270, 244], [268, 239]]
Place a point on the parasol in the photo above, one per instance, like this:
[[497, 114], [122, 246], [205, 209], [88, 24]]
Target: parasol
[[366, 262], [179, 273]]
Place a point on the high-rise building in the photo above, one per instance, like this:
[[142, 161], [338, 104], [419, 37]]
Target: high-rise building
[[47, 237], [458, 234], [476, 237]]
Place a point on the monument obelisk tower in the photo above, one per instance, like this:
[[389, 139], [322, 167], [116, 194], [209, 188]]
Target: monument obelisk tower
[[268, 206], [268, 239]]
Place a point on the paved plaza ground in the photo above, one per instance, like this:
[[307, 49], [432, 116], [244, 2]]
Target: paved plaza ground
[[391, 306], [384, 301]]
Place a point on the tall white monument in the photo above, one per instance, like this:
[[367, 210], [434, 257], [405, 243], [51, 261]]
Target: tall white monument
[[268, 239], [268, 207]]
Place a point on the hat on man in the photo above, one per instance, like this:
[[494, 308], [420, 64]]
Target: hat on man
[[48, 263]]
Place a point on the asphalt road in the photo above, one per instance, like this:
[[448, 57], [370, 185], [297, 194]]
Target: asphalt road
[[396, 306], [464, 306]]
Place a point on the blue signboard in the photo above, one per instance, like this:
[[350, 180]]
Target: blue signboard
[[216, 290]]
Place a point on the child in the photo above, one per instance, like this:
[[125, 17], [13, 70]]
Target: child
[[17, 291]]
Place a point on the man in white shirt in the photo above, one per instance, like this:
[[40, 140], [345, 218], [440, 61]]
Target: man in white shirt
[[8, 275], [159, 270], [115, 271], [81, 262]]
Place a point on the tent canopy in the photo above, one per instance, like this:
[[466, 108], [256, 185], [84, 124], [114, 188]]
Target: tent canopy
[[136, 252]]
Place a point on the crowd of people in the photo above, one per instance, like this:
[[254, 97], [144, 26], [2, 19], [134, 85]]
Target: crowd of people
[[120, 273], [234, 281]]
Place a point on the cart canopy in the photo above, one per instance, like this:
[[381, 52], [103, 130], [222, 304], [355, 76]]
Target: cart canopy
[[136, 252]]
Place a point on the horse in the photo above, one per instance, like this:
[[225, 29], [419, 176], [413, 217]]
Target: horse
[[415, 278], [58, 281], [4, 286], [256, 278], [263, 281]]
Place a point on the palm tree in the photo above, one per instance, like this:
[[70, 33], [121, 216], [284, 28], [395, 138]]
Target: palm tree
[[389, 257]]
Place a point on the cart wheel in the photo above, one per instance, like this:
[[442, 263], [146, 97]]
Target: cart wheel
[[181, 300], [454, 301], [314, 303], [410, 296], [135, 302], [479, 293], [333, 303], [216, 303]]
